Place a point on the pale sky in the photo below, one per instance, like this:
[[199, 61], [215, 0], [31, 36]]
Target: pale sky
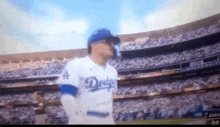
[[66, 24]]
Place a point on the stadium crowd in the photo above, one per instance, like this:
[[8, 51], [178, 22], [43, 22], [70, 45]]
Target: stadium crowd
[[17, 116], [52, 96], [125, 110], [165, 59], [56, 115], [155, 42], [52, 68], [169, 85], [29, 97], [36, 82], [166, 107], [26, 116], [121, 63], [139, 89]]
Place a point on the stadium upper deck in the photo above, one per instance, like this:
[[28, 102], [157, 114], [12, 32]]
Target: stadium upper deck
[[169, 40], [184, 32], [189, 28]]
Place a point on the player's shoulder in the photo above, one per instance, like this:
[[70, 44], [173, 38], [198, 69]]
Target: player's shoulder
[[112, 68], [76, 62]]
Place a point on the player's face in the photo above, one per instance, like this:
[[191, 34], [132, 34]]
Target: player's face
[[106, 49]]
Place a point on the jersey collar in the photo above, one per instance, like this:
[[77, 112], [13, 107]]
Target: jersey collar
[[92, 64]]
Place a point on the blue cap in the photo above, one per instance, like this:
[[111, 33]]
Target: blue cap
[[103, 34]]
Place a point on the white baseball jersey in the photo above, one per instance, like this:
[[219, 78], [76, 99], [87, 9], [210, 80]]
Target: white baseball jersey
[[96, 86]]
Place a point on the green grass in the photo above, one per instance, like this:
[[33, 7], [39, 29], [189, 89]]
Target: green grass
[[164, 121]]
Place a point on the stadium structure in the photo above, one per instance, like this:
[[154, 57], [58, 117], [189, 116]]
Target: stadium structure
[[166, 74]]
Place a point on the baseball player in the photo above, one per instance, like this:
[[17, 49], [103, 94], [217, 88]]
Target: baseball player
[[88, 84]]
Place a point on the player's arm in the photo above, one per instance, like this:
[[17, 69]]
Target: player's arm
[[68, 82]]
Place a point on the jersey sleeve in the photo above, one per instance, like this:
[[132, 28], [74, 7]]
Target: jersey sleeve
[[69, 75], [71, 107]]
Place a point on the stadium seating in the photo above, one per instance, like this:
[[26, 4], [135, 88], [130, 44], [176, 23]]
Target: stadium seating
[[14, 116], [52, 68], [155, 42], [165, 108], [165, 59], [167, 86]]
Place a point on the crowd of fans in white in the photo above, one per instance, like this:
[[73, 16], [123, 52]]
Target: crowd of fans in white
[[36, 82], [165, 59], [163, 107], [125, 110], [51, 68], [169, 85], [166, 107], [155, 42], [139, 89], [56, 115], [17, 116], [28, 97]]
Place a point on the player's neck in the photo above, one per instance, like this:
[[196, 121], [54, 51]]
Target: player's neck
[[98, 60]]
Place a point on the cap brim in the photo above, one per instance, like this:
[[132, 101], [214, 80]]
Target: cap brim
[[115, 40]]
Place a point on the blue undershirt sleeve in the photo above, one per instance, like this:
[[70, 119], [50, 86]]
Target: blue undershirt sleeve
[[68, 89]]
